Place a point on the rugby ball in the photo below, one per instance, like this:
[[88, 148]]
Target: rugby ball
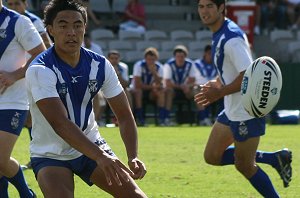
[[261, 86]]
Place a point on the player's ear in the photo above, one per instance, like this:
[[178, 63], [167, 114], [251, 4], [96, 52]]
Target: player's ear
[[222, 8], [50, 30]]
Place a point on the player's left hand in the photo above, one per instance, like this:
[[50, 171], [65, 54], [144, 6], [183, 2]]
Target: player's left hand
[[207, 95], [6, 80], [137, 167]]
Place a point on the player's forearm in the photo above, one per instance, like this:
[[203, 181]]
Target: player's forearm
[[128, 132], [75, 138], [233, 87]]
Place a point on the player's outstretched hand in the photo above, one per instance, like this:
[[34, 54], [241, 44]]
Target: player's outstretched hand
[[115, 171], [137, 167]]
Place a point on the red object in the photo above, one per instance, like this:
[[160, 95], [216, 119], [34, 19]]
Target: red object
[[243, 13]]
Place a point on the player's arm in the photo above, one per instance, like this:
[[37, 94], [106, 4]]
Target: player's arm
[[128, 130], [46, 39], [9, 78]]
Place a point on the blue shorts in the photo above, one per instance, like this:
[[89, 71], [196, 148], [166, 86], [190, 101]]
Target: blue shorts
[[242, 130], [12, 120], [81, 166]]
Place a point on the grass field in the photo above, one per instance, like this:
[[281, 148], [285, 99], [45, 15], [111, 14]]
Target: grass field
[[176, 168]]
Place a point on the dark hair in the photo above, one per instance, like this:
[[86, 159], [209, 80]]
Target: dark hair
[[207, 48], [56, 6], [219, 2]]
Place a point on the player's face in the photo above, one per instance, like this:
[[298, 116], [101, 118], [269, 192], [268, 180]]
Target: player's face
[[114, 59], [210, 14], [150, 60], [180, 58], [68, 30], [207, 56], [16, 5]]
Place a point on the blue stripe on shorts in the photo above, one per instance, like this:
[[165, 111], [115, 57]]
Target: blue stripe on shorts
[[12, 120], [242, 130]]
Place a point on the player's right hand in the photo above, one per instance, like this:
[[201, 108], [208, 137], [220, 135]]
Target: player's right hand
[[114, 169]]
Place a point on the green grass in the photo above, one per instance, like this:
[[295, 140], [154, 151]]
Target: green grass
[[176, 168]]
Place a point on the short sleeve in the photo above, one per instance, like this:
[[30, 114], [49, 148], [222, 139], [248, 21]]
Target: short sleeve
[[27, 34], [167, 73], [239, 53], [111, 85], [41, 82], [137, 69]]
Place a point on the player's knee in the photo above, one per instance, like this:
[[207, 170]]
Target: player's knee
[[211, 158], [245, 168], [3, 165]]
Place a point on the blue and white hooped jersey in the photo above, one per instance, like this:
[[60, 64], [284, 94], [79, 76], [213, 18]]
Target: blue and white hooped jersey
[[179, 75], [231, 55], [140, 69], [206, 71], [48, 76]]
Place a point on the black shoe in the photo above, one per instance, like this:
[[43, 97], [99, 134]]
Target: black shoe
[[33, 194], [284, 167]]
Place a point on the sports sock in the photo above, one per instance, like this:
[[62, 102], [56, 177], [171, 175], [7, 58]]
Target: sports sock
[[261, 157], [161, 114], [3, 187], [262, 183], [140, 115], [19, 182], [266, 158], [228, 156]]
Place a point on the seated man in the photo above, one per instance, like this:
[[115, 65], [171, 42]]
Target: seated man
[[147, 84], [179, 78]]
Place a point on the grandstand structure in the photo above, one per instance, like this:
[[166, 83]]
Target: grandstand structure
[[172, 22]]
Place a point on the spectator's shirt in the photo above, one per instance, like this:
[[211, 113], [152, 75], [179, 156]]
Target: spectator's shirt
[[95, 48], [231, 55], [136, 9], [179, 75], [205, 72], [140, 69], [17, 35], [123, 68], [37, 22], [47, 77]]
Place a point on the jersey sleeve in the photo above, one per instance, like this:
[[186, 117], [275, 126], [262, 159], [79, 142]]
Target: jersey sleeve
[[39, 25], [27, 34], [137, 69], [111, 85], [41, 82], [167, 72], [125, 75], [239, 53]]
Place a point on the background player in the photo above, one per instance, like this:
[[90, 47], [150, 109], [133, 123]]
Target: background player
[[18, 37], [231, 56]]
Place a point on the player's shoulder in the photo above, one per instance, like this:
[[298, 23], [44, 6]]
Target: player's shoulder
[[93, 55]]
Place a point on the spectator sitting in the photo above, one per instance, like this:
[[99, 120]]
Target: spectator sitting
[[122, 72], [89, 44], [293, 11], [134, 17], [147, 84], [179, 78], [91, 13], [206, 72]]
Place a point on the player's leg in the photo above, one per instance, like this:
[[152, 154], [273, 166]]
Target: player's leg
[[55, 177], [127, 189], [169, 94], [56, 181], [158, 95], [245, 153], [11, 124], [138, 108], [219, 140]]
